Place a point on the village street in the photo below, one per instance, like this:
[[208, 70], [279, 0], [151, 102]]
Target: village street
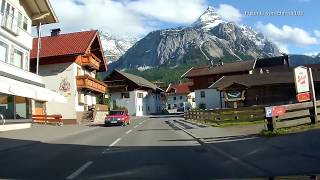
[[154, 148]]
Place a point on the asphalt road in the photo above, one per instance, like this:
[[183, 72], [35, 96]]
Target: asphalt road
[[149, 148]]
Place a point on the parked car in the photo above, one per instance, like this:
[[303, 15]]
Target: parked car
[[117, 117]]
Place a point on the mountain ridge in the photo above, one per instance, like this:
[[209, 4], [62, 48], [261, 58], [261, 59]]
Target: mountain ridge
[[208, 39]]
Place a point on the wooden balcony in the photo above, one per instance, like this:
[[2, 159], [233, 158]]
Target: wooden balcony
[[90, 61], [88, 82]]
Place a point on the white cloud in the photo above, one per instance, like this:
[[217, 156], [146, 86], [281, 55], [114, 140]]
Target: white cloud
[[317, 33], [229, 13], [106, 15], [287, 35], [313, 53], [123, 17], [173, 11]]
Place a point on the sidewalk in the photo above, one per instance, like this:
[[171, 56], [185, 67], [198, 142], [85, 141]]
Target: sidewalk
[[39, 133], [282, 155]]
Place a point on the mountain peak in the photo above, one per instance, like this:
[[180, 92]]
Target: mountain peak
[[208, 19]]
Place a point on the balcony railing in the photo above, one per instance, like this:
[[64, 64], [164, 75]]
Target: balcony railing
[[90, 61], [10, 24], [88, 82]]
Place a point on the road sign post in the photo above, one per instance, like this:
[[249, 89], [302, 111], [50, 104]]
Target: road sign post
[[313, 112]]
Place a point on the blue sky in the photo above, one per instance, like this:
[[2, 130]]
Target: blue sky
[[294, 34]]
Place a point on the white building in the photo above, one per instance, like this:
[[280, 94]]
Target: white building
[[139, 96], [180, 97], [21, 90], [69, 64]]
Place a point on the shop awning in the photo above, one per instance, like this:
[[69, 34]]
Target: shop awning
[[14, 87]]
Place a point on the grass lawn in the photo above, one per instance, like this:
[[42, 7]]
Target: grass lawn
[[289, 130]]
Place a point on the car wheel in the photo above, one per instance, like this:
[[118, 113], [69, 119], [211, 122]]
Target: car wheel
[[124, 124]]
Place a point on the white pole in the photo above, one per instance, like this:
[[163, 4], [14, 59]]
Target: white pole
[[313, 93], [39, 46]]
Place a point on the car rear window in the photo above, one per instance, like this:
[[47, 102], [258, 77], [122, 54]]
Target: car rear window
[[116, 113]]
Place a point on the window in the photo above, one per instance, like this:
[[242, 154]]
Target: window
[[3, 5], [19, 19], [17, 58], [174, 105], [174, 98], [22, 108], [3, 51], [25, 24], [6, 106], [14, 107], [140, 95], [202, 94], [193, 99], [181, 104], [180, 97], [78, 71], [125, 95]]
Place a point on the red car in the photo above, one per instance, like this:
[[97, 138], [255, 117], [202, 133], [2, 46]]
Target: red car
[[117, 117]]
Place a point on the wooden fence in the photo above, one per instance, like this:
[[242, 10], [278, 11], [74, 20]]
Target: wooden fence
[[294, 115], [219, 116]]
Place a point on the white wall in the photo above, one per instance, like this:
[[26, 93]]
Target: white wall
[[179, 102], [152, 103], [138, 106], [191, 96], [21, 42], [53, 76], [10, 69], [24, 39], [129, 103], [211, 99]]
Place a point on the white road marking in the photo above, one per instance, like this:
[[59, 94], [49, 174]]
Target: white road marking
[[129, 131], [80, 170], [140, 123], [115, 142], [135, 126]]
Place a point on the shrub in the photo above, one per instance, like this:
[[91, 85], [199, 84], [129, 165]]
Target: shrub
[[202, 106]]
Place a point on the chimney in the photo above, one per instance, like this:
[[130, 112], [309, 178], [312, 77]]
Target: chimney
[[55, 32]]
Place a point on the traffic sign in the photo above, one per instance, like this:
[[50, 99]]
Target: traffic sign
[[301, 79], [301, 97]]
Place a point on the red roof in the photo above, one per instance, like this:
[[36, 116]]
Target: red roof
[[183, 88], [64, 44]]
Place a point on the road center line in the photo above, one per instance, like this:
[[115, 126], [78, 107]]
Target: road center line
[[115, 142], [129, 131], [135, 126], [80, 170]]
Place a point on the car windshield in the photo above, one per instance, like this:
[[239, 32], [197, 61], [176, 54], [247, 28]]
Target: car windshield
[[116, 113]]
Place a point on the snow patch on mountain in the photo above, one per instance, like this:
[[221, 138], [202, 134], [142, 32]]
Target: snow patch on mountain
[[114, 47], [208, 19]]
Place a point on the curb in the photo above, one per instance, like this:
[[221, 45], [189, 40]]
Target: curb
[[211, 148]]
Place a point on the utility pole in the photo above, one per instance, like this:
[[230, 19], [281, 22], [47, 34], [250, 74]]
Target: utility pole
[[314, 100], [39, 46]]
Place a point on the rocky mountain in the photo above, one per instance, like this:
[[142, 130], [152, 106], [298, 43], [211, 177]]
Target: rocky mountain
[[299, 60], [209, 38], [114, 47]]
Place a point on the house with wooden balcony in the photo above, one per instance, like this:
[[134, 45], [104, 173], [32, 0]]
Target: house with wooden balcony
[[138, 95], [69, 64]]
